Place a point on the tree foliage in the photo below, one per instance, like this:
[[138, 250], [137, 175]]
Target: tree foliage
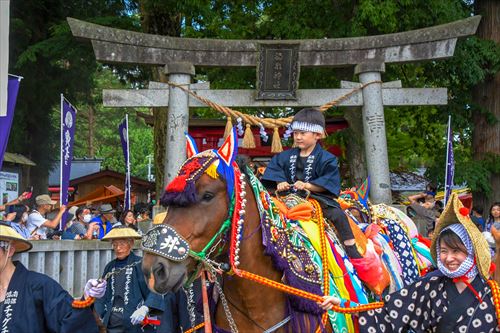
[[52, 62]]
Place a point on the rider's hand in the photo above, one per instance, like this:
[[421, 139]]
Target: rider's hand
[[283, 186], [138, 316], [300, 185], [329, 302], [95, 288]]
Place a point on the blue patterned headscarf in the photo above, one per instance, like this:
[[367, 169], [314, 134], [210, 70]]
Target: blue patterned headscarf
[[468, 266]]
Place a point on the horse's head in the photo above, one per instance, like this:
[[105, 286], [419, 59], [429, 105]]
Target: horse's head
[[197, 202]]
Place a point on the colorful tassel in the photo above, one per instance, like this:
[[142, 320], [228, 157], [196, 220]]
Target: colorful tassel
[[177, 184], [276, 146], [248, 139], [212, 171]]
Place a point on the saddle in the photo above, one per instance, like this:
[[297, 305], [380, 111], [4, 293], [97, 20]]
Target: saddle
[[369, 268]]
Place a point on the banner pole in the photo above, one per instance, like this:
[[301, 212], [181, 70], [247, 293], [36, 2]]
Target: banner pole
[[446, 184], [128, 164], [61, 160]]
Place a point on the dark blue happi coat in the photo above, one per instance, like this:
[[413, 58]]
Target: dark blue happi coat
[[169, 309], [319, 168], [35, 303]]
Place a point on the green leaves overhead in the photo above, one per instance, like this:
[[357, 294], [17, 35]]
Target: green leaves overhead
[[52, 61]]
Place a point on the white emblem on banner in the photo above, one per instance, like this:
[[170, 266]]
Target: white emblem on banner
[[68, 120]]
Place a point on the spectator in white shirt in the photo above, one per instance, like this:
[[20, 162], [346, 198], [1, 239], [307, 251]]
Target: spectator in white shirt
[[37, 223]]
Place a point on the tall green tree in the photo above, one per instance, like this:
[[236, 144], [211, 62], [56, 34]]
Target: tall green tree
[[486, 116], [51, 61], [45, 50]]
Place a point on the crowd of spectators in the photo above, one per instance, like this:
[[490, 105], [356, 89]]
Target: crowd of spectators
[[92, 221]]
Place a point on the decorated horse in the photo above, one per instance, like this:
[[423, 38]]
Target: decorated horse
[[270, 260]]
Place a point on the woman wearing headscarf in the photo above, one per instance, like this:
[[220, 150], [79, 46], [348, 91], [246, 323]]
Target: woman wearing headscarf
[[457, 297]]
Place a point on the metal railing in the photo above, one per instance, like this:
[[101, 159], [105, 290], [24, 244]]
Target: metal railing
[[71, 263]]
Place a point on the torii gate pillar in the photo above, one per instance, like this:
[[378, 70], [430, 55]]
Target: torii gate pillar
[[178, 117], [374, 132]]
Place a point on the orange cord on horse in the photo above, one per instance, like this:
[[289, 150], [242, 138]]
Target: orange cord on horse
[[81, 304], [324, 256]]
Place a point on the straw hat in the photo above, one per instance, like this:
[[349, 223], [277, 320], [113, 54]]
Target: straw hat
[[121, 232], [159, 218], [455, 212], [7, 233]]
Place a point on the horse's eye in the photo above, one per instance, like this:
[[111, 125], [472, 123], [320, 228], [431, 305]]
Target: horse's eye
[[207, 196]]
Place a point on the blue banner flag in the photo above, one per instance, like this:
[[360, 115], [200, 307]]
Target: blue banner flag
[[450, 163], [123, 130], [68, 124], [6, 121]]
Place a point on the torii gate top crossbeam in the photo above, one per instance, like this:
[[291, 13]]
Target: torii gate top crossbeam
[[122, 46]]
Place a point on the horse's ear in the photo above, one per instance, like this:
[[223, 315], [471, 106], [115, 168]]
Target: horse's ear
[[229, 149], [191, 148], [363, 192]]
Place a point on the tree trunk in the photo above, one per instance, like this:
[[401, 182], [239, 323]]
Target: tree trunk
[[160, 118], [157, 18], [486, 134]]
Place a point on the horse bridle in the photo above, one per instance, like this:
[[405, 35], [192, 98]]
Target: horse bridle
[[235, 216]]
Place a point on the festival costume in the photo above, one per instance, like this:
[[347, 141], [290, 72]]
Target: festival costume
[[127, 291], [319, 168], [36, 303], [433, 304], [423, 305]]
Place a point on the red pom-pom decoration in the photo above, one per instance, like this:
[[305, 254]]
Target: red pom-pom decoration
[[464, 211], [493, 267], [178, 184]]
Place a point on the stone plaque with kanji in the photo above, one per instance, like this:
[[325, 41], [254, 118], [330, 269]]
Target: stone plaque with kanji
[[278, 71]]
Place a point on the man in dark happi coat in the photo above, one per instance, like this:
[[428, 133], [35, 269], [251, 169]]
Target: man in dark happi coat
[[128, 305], [310, 167], [33, 302]]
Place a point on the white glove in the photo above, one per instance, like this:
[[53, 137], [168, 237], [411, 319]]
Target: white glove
[[138, 316], [95, 288]]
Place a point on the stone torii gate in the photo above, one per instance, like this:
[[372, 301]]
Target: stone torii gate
[[278, 65]]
